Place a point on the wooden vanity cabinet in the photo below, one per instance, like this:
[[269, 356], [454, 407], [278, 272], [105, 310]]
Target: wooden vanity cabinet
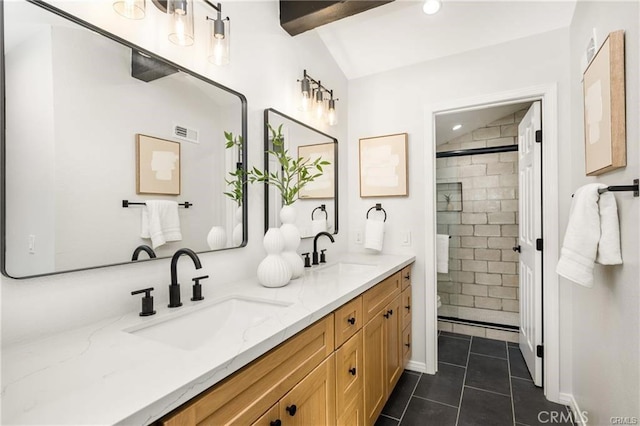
[[338, 371]]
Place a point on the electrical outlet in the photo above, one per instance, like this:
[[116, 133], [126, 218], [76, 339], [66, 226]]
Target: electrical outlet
[[358, 237]]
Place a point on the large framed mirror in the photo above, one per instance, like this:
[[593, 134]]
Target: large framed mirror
[[317, 205], [105, 143]]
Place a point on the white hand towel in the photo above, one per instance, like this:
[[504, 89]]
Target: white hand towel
[[374, 234], [442, 253], [160, 222], [318, 225], [439, 301], [592, 234]]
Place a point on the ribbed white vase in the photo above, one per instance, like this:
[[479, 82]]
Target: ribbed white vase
[[237, 229], [217, 238], [274, 271], [291, 235]]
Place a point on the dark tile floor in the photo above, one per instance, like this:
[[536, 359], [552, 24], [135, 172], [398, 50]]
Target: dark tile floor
[[479, 382]]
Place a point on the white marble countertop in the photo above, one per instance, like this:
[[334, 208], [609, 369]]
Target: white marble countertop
[[103, 374]]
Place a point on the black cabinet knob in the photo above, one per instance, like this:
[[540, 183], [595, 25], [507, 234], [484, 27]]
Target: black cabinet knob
[[408, 307], [147, 301], [407, 277], [292, 410], [390, 311], [408, 345], [352, 371], [386, 314], [351, 320], [276, 422]]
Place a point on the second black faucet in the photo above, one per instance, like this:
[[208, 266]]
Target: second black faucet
[[315, 247], [174, 288]]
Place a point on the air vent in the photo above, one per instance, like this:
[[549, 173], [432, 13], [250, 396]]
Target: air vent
[[185, 133]]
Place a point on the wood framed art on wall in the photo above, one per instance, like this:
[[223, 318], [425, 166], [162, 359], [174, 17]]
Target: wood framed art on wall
[[157, 166], [604, 108], [383, 166]]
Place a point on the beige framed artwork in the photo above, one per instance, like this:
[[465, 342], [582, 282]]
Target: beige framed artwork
[[323, 186], [604, 108], [383, 166], [157, 166]]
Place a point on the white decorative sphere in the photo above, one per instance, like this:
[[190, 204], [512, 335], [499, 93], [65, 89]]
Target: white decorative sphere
[[291, 235], [296, 265], [288, 214], [274, 271], [273, 241], [217, 238]]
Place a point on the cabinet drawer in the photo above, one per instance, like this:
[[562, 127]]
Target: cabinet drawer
[[348, 320], [349, 372], [406, 345], [406, 307], [246, 395], [406, 277], [376, 298]]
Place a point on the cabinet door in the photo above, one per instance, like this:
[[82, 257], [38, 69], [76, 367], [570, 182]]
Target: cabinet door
[[270, 418], [406, 345], [375, 391], [393, 344], [349, 370], [312, 401], [348, 320], [354, 413]]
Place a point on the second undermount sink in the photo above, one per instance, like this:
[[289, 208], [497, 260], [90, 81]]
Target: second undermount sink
[[347, 268], [192, 329]]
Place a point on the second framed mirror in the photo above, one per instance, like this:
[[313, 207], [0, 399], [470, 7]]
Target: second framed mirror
[[317, 203]]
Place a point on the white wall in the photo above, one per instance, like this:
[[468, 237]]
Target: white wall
[[605, 320], [395, 102], [265, 63]]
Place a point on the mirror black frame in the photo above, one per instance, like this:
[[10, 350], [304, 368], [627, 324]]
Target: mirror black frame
[[104, 33], [267, 146]]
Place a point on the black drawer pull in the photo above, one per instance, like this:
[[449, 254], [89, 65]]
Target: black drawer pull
[[351, 320], [408, 307], [352, 371], [408, 277], [276, 422], [386, 315], [408, 345], [292, 410]]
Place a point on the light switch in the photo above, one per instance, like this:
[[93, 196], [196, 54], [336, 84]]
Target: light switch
[[358, 237], [32, 244], [406, 238]]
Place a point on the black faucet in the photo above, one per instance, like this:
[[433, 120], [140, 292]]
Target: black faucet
[[140, 249], [315, 245], [174, 288]]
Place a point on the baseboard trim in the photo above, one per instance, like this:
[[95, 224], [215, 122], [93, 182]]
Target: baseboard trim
[[420, 367], [568, 399]]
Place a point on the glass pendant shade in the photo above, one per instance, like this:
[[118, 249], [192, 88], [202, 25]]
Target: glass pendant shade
[[305, 101], [319, 104], [332, 117], [219, 36], [180, 22], [131, 9]]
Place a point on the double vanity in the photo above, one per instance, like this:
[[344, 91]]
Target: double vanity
[[140, 370]]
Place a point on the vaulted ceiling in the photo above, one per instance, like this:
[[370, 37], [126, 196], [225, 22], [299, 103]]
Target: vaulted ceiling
[[398, 34]]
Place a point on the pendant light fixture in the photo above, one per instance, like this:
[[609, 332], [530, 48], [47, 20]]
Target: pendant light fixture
[[181, 24], [131, 9], [312, 92]]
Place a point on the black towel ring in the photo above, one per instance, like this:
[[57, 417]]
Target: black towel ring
[[378, 207], [322, 208]]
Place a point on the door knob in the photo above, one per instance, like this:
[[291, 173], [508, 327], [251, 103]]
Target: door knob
[[517, 248]]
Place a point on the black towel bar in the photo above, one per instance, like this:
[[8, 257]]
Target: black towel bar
[[378, 207], [322, 208], [127, 203], [620, 188]]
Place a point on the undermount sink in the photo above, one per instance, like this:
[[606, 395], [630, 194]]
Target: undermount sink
[[347, 268], [191, 329]]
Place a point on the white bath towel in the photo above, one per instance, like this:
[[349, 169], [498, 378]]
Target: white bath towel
[[442, 253], [318, 225], [593, 235], [439, 302], [374, 234], [160, 222]]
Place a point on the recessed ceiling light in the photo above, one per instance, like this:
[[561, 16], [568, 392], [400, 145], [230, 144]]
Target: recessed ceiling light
[[457, 127], [431, 6]]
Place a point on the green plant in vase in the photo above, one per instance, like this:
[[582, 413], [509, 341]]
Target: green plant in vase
[[237, 177], [294, 173]]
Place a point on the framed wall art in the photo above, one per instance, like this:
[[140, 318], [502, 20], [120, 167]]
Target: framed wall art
[[604, 108], [323, 186], [157, 166], [383, 166]]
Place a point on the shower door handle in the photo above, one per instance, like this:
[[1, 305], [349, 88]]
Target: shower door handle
[[517, 248]]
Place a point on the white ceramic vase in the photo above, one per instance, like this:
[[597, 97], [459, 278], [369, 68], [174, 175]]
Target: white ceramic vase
[[238, 234], [217, 238], [291, 235], [274, 271]]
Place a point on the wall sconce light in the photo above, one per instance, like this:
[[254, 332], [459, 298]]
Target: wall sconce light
[[181, 26], [311, 89]]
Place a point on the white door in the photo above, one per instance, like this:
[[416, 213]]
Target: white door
[[530, 229]]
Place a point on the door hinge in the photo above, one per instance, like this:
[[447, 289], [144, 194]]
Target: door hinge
[[539, 244], [539, 351], [538, 136]]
